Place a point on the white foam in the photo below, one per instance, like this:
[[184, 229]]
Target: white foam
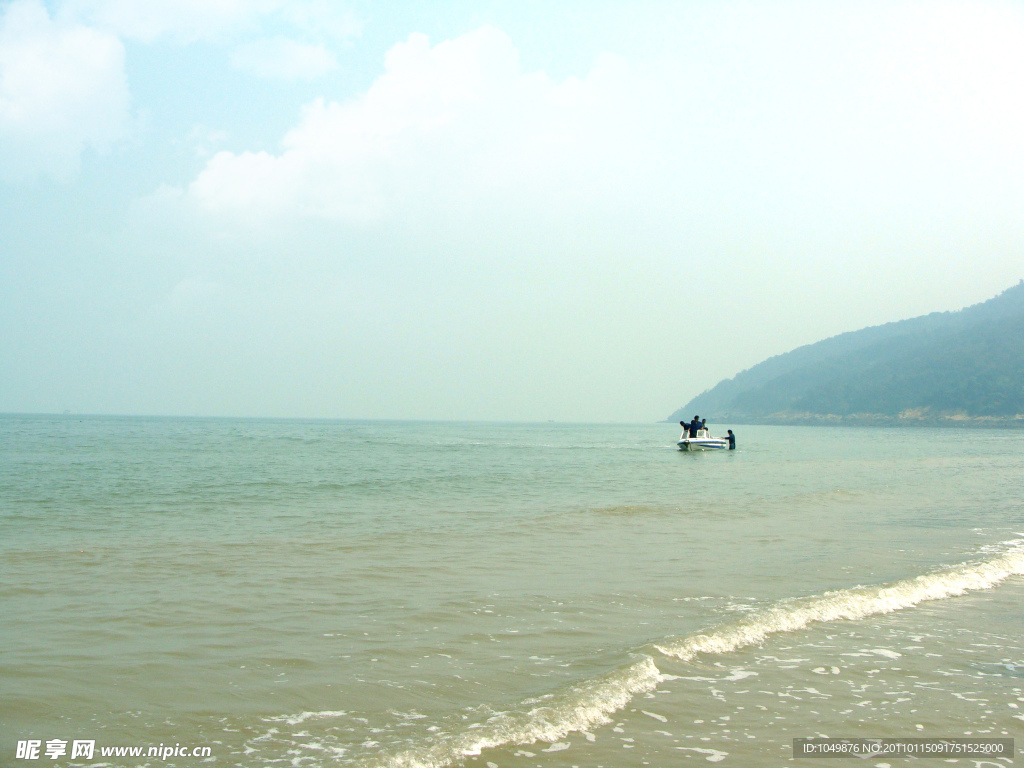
[[740, 674], [304, 716], [713, 755], [885, 652], [578, 708], [558, 746], [852, 604]]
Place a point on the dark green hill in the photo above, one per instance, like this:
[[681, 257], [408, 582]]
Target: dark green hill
[[965, 366]]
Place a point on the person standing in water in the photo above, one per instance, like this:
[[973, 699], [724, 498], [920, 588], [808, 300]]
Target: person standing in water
[[732, 440]]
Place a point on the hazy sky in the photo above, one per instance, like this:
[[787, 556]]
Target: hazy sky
[[479, 210]]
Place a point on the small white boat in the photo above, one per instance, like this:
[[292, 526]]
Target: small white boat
[[702, 442]]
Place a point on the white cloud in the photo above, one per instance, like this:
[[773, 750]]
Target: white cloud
[[840, 117], [62, 88], [204, 140], [442, 126], [186, 20], [322, 18], [874, 111], [283, 59], [189, 20]]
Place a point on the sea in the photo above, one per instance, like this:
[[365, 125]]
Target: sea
[[383, 594]]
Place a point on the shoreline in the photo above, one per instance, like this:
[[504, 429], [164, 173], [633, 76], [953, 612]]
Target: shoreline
[[871, 420]]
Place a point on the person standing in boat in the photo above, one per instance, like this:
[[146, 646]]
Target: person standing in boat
[[704, 426], [694, 426]]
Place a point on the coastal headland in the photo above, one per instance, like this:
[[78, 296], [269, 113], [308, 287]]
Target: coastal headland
[[962, 369]]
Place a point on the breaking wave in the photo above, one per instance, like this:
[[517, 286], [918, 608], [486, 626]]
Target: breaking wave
[[589, 704], [578, 708], [851, 604]]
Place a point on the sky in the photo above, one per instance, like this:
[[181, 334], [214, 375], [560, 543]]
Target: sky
[[513, 211]]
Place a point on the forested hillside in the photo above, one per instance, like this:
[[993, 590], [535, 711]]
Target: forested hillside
[[952, 365]]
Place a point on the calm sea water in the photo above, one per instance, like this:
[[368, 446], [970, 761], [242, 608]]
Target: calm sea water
[[313, 593]]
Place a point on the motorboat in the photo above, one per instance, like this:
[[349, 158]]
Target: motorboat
[[702, 442]]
